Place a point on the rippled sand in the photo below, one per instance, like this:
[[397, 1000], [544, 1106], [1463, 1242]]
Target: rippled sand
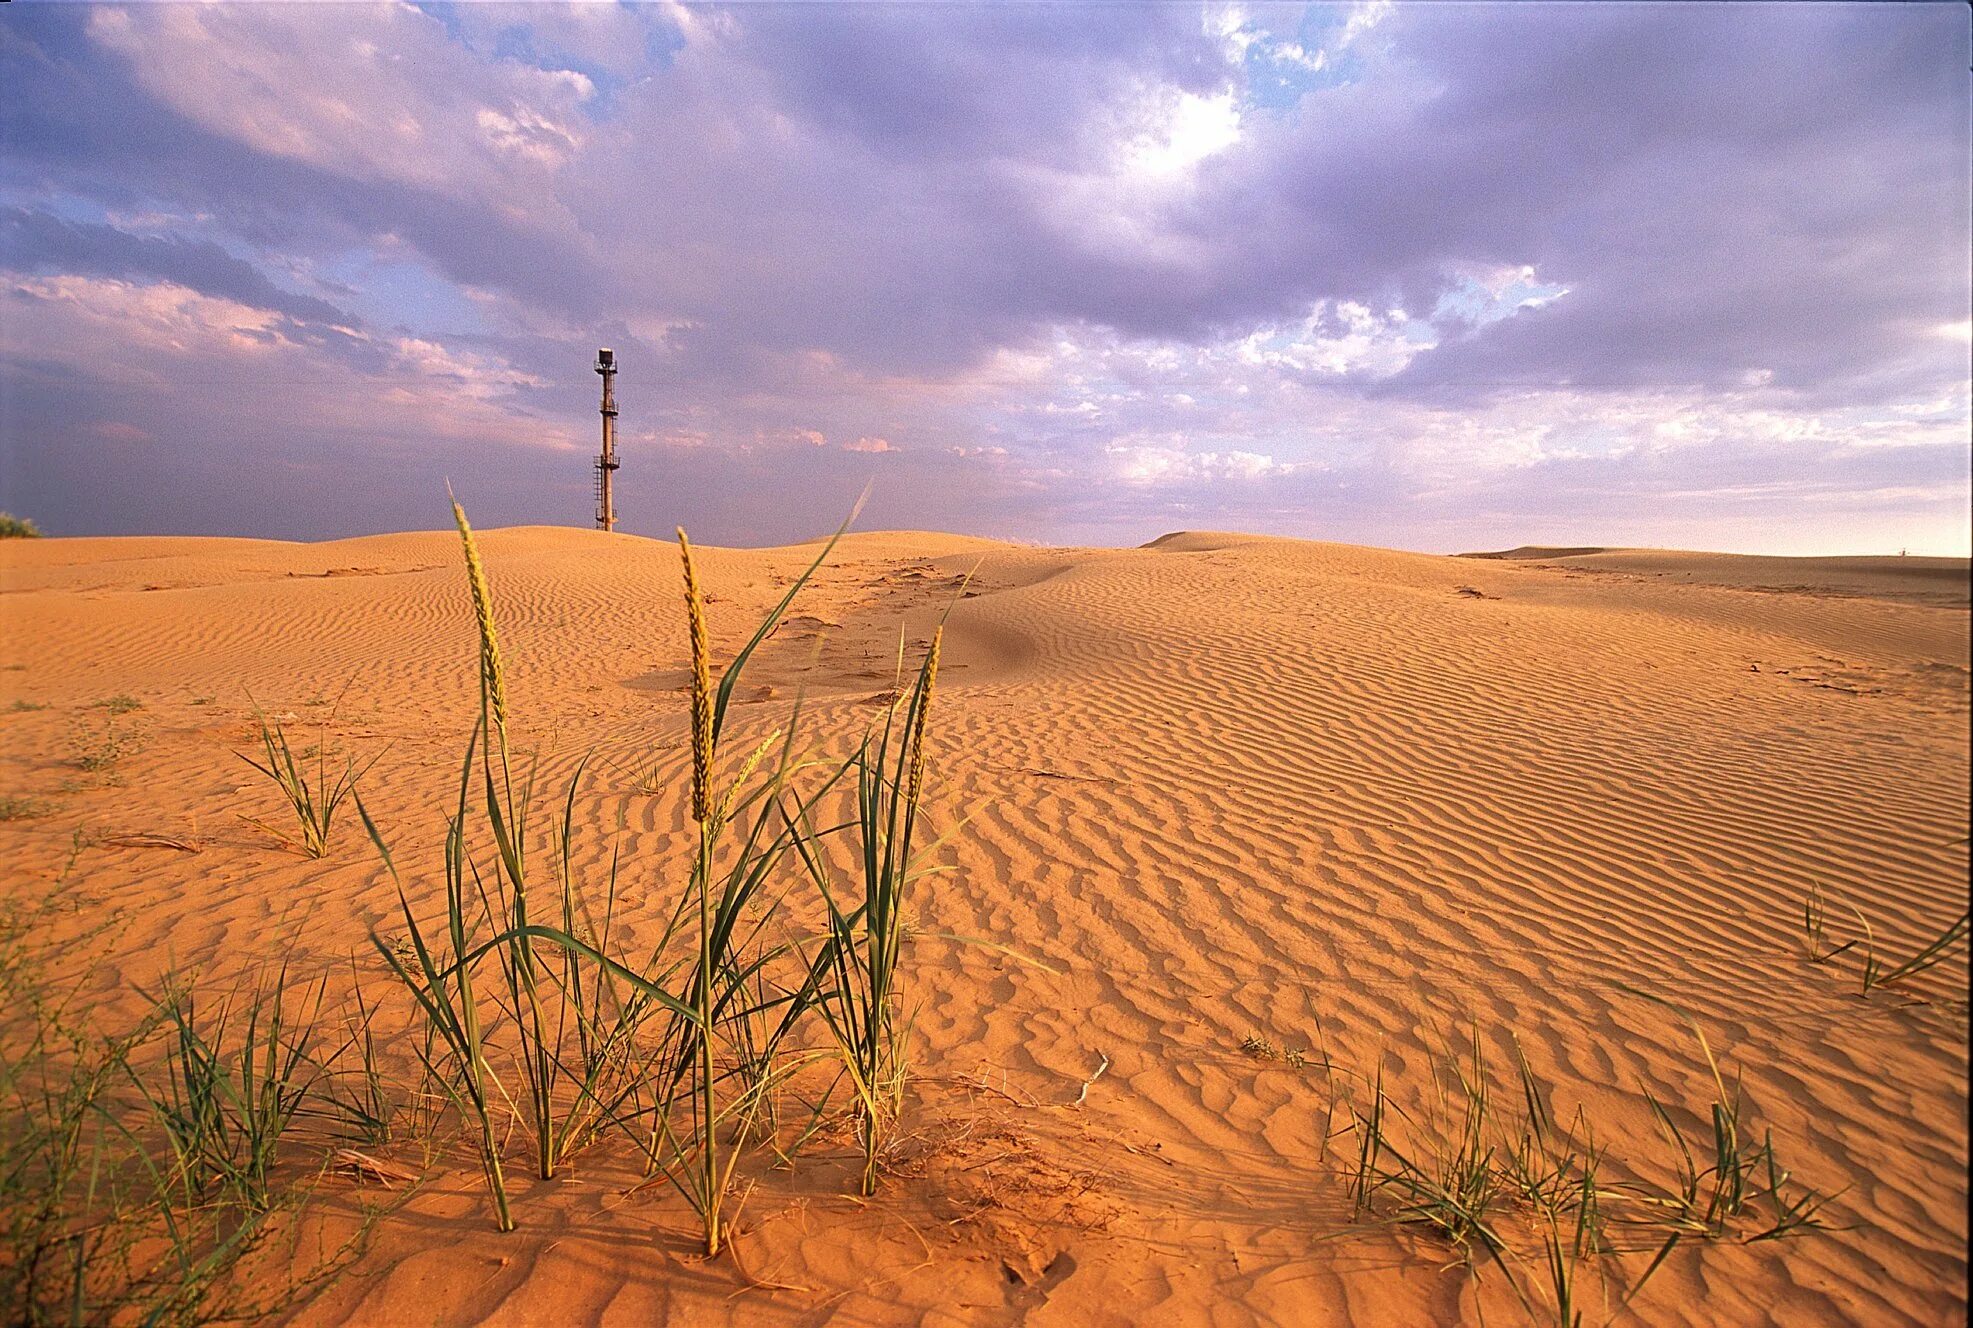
[[1230, 787]]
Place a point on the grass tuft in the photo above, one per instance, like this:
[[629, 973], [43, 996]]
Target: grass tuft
[[860, 1001], [314, 797], [137, 1169], [232, 1084], [1518, 1192], [1876, 971], [532, 1011]]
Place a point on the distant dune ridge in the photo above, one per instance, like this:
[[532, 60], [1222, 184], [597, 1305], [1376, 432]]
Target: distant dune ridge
[[1941, 581], [1240, 792]]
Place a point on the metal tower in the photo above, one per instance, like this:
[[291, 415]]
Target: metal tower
[[607, 463]]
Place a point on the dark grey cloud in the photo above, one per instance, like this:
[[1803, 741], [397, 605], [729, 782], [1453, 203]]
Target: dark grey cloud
[[1727, 189], [972, 83]]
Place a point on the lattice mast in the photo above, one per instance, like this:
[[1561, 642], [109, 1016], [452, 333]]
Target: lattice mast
[[607, 463]]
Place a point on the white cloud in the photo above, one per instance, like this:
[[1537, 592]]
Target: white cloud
[[1362, 19], [1241, 34], [404, 102], [159, 335], [1339, 338], [525, 133], [1157, 463]]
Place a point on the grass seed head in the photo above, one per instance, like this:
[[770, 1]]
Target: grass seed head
[[702, 737], [490, 671], [747, 769], [916, 780]]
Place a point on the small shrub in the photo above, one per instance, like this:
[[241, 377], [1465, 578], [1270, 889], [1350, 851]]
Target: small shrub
[[17, 527], [99, 754]]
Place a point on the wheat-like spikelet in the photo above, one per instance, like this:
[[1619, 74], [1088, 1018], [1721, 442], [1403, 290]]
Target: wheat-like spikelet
[[917, 777], [747, 768], [490, 672], [695, 612]]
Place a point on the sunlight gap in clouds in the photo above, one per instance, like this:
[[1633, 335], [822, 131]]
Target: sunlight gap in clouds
[[1280, 68], [1479, 297], [1197, 128]]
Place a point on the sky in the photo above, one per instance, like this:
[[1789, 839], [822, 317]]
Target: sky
[[1428, 276]]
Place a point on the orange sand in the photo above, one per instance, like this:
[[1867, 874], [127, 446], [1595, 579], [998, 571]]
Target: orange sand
[[1227, 785]]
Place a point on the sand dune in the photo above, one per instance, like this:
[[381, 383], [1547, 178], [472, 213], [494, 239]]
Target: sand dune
[[1940, 581], [1228, 786]]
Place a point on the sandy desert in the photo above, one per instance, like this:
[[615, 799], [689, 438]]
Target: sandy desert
[[1228, 822]]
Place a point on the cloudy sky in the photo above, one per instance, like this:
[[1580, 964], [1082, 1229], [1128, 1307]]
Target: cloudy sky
[[1437, 276]]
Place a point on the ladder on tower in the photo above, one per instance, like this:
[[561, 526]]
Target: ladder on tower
[[604, 464]]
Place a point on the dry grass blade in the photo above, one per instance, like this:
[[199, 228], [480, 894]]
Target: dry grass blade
[[145, 840], [363, 1166], [1815, 920], [1930, 956], [1875, 973]]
